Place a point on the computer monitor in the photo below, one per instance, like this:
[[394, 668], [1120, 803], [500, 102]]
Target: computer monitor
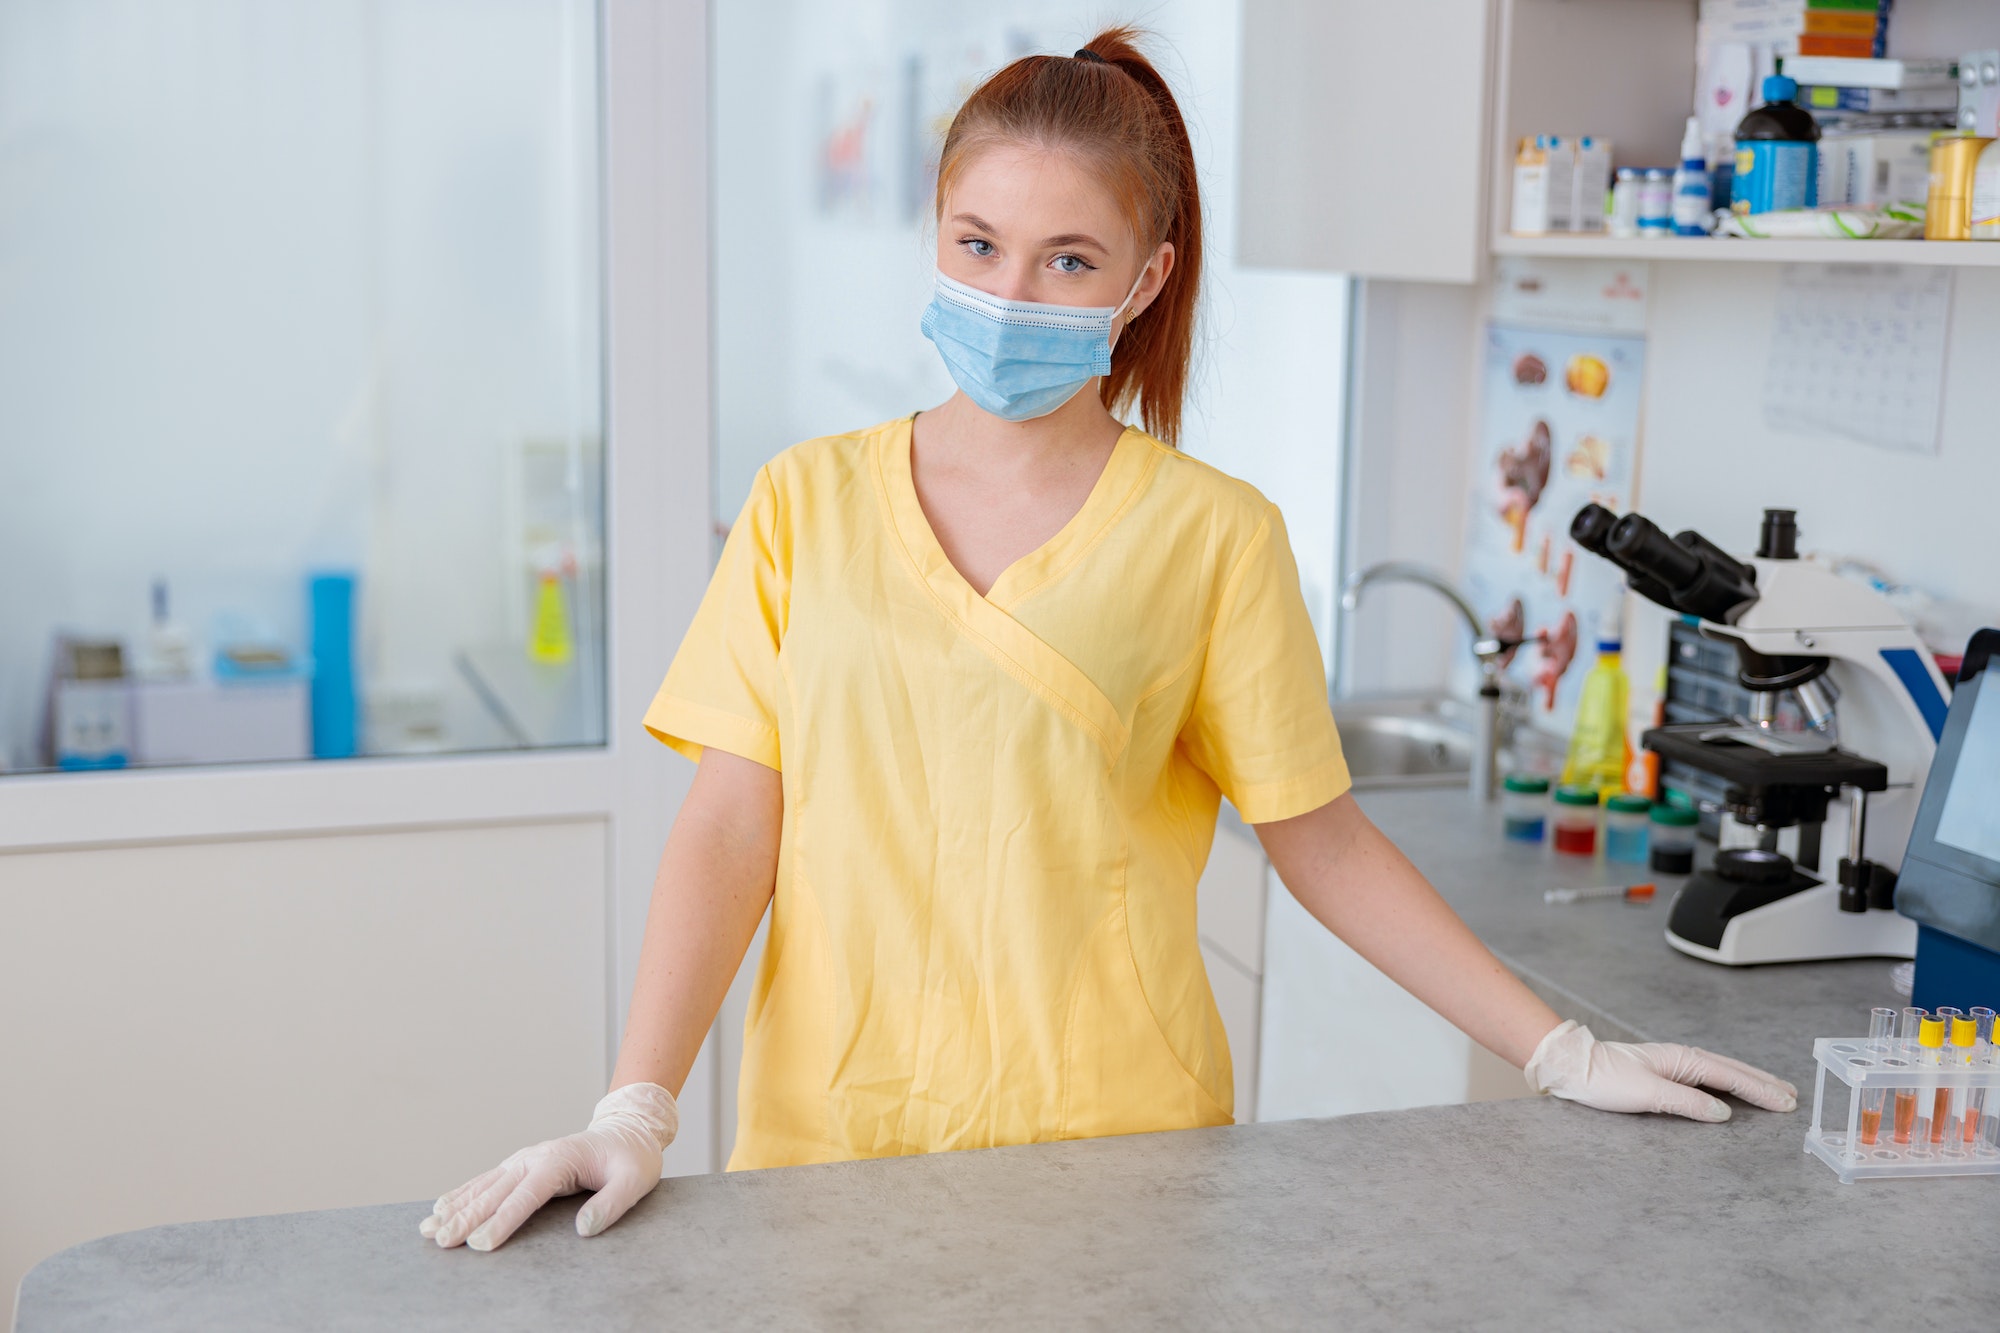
[[1950, 880]]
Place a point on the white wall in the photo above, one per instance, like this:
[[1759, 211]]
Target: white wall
[[1711, 463], [193, 1031], [1708, 460]]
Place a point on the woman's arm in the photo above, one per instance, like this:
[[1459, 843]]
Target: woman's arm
[[716, 877], [1352, 879]]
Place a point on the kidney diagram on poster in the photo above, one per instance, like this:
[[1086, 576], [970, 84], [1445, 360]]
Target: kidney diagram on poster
[[1559, 427]]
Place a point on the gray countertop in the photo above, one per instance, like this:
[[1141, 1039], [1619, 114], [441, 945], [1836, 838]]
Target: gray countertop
[[1505, 1214]]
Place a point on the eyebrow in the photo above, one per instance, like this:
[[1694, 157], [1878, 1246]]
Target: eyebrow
[[1067, 238]]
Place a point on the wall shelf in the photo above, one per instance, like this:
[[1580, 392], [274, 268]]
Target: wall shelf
[[1725, 249]]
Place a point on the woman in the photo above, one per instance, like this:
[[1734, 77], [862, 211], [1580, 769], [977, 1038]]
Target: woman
[[964, 694]]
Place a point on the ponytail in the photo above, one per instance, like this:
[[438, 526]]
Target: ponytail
[[1110, 106]]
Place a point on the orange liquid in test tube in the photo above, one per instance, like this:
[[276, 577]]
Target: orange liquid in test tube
[[1940, 1112], [1871, 1126], [1906, 1113]]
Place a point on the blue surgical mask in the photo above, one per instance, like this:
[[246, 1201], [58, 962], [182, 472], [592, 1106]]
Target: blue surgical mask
[[1019, 359]]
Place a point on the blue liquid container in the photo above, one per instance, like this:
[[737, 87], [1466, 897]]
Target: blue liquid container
[[1625, 827], [1524, 807], [334, 715], [1777, 154]]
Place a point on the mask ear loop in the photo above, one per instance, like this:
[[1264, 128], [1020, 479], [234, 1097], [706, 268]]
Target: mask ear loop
[[1132, 291]]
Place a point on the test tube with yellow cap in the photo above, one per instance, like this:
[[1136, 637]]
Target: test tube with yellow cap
[[1906, 1098], [1930, 1045], [1881, 1023], [1945, 1058]]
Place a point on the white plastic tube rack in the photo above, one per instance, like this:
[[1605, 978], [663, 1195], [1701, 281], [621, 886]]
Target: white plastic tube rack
[[1888, 1068]]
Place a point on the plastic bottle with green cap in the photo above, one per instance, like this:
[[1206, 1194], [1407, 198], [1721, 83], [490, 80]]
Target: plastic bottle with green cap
[[1673, 834], [1625, 817], [1575, 820], [1524, 806]]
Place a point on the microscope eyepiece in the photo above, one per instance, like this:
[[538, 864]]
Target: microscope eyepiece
[[1779, 539], [1686, 573], [1636, 543], [1590, 527]]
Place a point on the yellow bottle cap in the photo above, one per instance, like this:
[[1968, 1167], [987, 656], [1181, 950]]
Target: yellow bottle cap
[[1964, 1032], [1931, 1033]]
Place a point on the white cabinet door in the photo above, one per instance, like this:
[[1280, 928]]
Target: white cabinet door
[[1364, 136], [1230, 900], [1340, 1038]]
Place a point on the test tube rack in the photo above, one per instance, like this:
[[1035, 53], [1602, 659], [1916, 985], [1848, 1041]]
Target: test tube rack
[[1886, 1067]]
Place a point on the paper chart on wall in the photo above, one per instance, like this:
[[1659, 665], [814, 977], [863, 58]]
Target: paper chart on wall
[[1559, 429], [1857, 350]]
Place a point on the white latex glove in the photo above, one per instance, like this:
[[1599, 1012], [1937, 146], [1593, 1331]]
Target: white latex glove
[[1654, 1076], [618, 1156]]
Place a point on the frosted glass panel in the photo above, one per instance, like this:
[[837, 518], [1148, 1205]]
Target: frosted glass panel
[[300, 379]]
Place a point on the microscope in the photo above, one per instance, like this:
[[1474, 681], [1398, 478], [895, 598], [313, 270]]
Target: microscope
[[1874, 706]]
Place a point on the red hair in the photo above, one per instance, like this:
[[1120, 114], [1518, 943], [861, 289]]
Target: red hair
[[1117, 114]]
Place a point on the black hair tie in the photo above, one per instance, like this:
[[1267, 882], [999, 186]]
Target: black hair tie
[[1085, 53]]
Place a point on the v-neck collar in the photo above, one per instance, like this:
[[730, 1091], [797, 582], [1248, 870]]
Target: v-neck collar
[[1114, 489], [986, 621]]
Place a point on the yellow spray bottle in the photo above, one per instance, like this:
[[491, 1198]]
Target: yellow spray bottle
[[1597, 741], [550, 641]]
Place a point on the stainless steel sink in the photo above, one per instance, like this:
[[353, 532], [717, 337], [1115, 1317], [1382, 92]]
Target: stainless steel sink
[[1406, 741]]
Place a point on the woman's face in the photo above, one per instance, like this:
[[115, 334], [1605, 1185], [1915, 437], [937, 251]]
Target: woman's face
[[1028, 224]]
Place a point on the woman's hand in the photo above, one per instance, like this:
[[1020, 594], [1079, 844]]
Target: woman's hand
[[618, 1156], [1653, 1076]]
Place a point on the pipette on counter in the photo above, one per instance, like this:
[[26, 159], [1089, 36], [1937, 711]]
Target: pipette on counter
[[1631, 893]]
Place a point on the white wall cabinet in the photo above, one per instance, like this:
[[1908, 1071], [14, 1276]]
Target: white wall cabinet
[[1364, 136]]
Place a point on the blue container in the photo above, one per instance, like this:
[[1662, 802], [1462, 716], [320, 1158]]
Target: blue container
[[1626, 816], [1524, 806], [334, 715]]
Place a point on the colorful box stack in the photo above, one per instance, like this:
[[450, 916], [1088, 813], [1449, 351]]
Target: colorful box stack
[[1856, 28]]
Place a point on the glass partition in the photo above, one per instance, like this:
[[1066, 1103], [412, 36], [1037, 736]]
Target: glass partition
[[301, 367]]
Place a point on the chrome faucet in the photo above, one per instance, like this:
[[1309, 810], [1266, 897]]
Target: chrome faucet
[[1486, 646]]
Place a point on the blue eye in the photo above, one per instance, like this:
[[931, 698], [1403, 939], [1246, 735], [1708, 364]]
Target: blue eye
[[1071, 263], [978, 246]]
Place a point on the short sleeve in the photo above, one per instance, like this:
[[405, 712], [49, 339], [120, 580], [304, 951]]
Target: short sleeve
[[722, 688], [1261, 726]]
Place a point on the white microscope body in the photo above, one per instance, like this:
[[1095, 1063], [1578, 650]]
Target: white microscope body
[[1804, 609], [1867, 686]]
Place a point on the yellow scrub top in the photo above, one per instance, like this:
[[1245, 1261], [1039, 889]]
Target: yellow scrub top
[[996, 808]]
